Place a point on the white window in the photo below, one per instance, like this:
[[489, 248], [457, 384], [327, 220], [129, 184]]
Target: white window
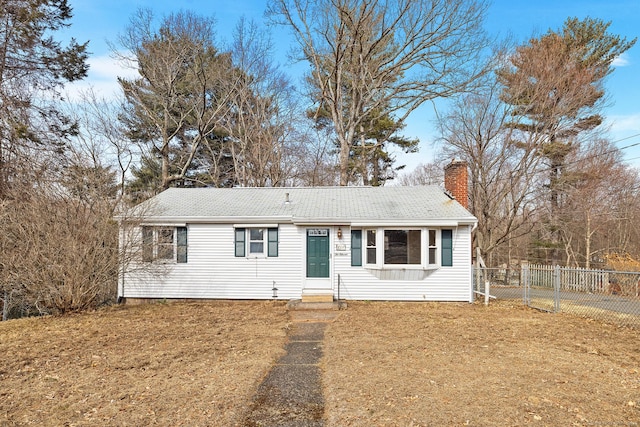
[[433, 248], [168, 244], [371, 247], [256, 242], [409, 247]]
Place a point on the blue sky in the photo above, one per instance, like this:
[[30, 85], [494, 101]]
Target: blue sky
[[100, 21]]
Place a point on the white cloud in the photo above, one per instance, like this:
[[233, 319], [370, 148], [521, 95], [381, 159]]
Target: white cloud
[[102, 77], [624, 125], [107, 67], [625, 132], [621, 61]]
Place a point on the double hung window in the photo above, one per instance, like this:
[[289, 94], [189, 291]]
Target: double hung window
[[433, 247], [164, 244], [372, 249], [256, 242]]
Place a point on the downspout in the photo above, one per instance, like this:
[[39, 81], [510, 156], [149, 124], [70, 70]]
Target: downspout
[[122, 254], [473, 294]]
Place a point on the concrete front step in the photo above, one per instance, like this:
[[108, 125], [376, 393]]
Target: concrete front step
[[326, 297], [297, 304]]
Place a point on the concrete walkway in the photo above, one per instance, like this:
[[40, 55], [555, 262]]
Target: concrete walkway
[[291, 394]]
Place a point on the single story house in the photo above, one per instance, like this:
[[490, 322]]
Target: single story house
[[314, 244]]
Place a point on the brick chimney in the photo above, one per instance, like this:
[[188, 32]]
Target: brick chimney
[[456, 181]]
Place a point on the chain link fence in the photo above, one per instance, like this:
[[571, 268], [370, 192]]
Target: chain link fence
[[610, 296]]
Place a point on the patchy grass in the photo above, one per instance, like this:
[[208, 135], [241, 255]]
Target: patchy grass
[[161, 364], [385, 364], [401, 364]]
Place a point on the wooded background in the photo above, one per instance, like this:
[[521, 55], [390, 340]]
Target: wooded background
[[546, 182]]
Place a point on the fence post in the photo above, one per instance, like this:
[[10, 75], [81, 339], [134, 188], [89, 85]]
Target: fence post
[[556, 289], [524, 276], [479, 273], [487, 287]]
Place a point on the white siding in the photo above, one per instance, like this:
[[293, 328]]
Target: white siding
[[212, 271], [441, 284]]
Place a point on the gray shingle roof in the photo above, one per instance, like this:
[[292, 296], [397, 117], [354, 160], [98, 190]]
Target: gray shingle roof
[[426, 204]]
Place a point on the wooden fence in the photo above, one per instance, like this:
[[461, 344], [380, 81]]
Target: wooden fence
[[583, 280], [571, 279]]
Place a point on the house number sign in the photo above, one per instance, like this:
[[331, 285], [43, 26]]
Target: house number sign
[[317, 232]]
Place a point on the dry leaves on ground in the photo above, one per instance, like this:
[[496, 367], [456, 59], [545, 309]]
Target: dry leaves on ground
[[401, 364], [385, 364], [161, 364]]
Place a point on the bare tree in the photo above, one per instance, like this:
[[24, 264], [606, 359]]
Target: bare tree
[[101, 142], [503, 166], [311, 162], [592, 212], [262, 110], [423, 174], [385, 57], [58, 249]]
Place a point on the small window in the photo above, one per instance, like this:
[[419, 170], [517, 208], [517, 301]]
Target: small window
[[356, 248], [371, 247], [164, 244], [256, 242], [433, 248]]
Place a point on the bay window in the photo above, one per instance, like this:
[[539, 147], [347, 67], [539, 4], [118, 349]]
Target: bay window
[[410, 247], [402, 247]]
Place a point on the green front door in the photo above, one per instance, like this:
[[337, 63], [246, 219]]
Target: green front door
[[317, 252]]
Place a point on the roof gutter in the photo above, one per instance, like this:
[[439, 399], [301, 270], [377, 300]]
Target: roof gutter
[[416, 223], [210, 220]]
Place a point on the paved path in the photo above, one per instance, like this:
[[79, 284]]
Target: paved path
[[291, 394]]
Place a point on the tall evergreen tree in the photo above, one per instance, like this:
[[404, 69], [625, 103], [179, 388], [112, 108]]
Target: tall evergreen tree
[[179, 99], [33, 69], [556, 85]]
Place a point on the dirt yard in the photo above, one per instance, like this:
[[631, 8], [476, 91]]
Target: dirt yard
[[418, 364], [385, 364], [161, 364]]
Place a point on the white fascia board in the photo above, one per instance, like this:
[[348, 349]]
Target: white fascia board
[[262, 220], [320, 221], [255, 225], [415, 223], [163, 224]]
